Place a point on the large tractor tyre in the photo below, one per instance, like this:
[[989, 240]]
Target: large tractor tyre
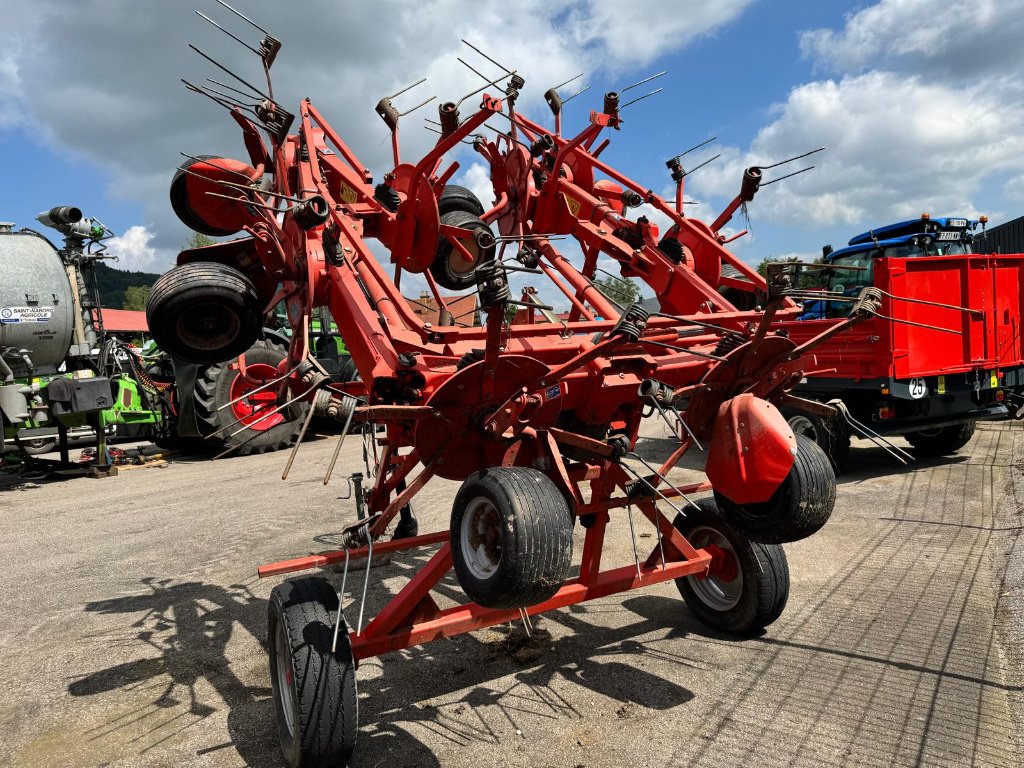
[[262, 430], [183, 207], [315, 698], [511, 537], [450, 267], [456, 198], [831, 435], [942, 441], [748, 583], [204, 312], [802, 504]]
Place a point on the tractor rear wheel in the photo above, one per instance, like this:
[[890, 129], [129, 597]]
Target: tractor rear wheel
[[511, 537], [942, 441], [802, 504], [204, 312], [748, 583], [261, 429], [315, 699]]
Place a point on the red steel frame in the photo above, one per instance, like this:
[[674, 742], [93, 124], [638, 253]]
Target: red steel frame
[[502, 410]]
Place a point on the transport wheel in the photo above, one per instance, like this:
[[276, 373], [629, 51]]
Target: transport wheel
[[456, 198], [831, 435], [942, 441], [217, 385], [204, 312], [449, 267], [511, 537], [802, 504], [748, 583], [38, 445], [314, 691], [183, 207]]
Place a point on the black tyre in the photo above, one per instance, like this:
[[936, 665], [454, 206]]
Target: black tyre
[[456, 198], [183, 207], [314, 690], [511, 537], [831, 435], [38, 445], [800, 506], [748, 585], [204, 312], [220, 384], [942, 441], [449, 267]]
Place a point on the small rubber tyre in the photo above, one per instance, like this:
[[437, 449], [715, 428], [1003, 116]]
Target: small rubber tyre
[[831, 435], [314, 691], [204, 312], [217, 385], [38, 445], [748, 585], [802, 504], [449, 267], [456, 198], [511, 537], [942, 441]]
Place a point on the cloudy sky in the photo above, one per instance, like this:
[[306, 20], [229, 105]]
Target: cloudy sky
[[920, 103]]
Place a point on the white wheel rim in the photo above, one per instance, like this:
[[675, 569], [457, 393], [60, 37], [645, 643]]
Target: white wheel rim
[[284, 678], [713, 591], [801, 425], [480, 537]]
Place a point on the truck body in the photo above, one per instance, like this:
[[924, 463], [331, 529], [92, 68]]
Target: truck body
[[947, 353]]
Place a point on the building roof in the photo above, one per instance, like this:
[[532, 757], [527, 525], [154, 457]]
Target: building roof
[[461, 308], [124, 321]]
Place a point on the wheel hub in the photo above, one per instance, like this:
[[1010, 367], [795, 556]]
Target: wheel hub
[[251, 408]]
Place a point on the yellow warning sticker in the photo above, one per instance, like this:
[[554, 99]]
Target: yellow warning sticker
[[573, 203], [994, 381], [941, 386], [348, 195]]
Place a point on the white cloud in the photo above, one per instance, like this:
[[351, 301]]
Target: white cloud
[[135, 252]]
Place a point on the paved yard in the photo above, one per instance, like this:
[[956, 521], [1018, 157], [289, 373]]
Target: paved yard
[[133, 630]]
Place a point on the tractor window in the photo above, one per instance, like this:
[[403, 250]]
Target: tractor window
[[935, 248], [848, 282]]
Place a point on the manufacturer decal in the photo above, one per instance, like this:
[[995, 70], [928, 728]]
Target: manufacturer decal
[[347, 194], [25, 314]]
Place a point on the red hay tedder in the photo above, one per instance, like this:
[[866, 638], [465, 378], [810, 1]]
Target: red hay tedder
[[539, 420]]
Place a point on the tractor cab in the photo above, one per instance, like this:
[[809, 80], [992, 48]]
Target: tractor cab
[[853, 266]]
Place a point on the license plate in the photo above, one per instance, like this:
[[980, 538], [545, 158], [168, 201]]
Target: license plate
[[949, 235], [957, 222]]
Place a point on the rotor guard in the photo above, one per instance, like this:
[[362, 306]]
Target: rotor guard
[[752, 450]]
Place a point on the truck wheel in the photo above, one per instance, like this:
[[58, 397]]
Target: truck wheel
[[942, 441], [511, 537], [800, 506], [204, 312], [747, 585], [449, 267], [831, 435], [217, 385], [38, 445], [315, 701], [456, 198]]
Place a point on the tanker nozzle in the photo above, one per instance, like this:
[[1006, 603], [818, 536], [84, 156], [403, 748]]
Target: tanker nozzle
[[60, 216]]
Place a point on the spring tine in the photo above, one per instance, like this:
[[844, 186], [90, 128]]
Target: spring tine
[[421, 104], [232, 88], [640, 98], [499, 66], [472, 69], [653, 487], [337, 448], [664, 416], [571, 79], [790, 160], [406, 89], [234, 448], [870, 434], [788, 175], [481, 88], [234, 37], [694, 147], [277, 409], [688, 321], [243, 17], [220, 66], [930, 303], [298, 442], [632, 536], [341, 600], [526, 625], [641, 82], [688, 430], [697, 168], [218, 167], [684, 350], [918, 325], [245, 201], [570, 98], [366, 579]]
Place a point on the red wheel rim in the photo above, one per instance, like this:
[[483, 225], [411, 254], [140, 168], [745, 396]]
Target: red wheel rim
[[252, 410]]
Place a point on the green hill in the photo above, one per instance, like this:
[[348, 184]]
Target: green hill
[[113, 282]]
